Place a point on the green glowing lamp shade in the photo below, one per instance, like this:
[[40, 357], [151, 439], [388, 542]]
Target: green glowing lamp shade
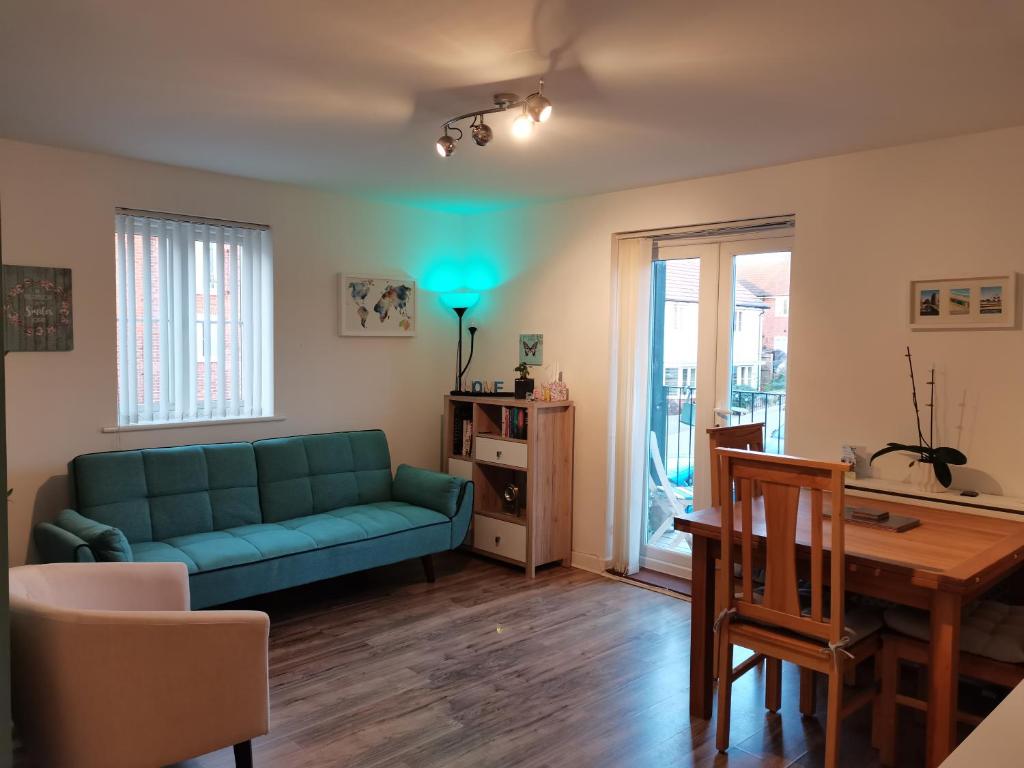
[[460, 299]]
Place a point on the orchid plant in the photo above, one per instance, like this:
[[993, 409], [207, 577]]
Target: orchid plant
[[924, 452]]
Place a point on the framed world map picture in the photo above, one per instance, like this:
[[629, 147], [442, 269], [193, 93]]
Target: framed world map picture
[[37, 309], [376, 306]]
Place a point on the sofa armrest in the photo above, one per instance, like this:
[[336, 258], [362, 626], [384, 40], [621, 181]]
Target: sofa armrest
[[433, 490], [170, 684], [108, 544], [57, 545]]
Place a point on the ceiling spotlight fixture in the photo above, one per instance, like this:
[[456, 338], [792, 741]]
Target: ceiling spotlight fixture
[[446, 144], [538, 105], [522, 126], [482, 133], [536, 108]]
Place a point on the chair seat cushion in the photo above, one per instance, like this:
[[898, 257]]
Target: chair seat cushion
[[987, 628]]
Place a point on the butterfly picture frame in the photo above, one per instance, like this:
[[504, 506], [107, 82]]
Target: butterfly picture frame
[[531, 348]]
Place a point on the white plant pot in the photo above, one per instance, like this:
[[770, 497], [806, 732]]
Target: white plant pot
[[922, 477]]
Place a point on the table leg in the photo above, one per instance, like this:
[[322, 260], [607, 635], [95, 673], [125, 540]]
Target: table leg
[[702, 630], [943, 676]]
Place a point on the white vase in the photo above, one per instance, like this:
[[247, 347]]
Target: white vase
[[922, 477]]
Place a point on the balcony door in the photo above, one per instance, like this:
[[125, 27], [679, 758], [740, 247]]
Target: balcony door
[[719, 356]]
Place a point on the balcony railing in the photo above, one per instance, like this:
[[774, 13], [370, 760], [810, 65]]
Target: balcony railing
[[674, 425]]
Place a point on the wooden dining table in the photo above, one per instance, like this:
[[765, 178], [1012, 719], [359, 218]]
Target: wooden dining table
[[951, 558]]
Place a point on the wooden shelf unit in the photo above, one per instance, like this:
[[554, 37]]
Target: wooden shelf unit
[[541, 465]]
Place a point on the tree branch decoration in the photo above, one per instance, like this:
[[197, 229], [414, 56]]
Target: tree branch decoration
[[940, 458]]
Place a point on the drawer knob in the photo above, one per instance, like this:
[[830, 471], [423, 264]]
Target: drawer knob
[[499, 454], [497, 540]]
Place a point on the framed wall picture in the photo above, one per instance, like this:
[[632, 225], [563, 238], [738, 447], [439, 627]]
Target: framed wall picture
[[376, 306], [973, 303], [37, 309], [531, 348]]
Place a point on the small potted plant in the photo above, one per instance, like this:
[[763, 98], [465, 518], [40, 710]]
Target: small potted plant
[[930, 466], [524, 383]]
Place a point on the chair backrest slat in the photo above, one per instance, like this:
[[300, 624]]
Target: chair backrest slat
[[748, 539], [788, 485], [816, 556], [746, 436]]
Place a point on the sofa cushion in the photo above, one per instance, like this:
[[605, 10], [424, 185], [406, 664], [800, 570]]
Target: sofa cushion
[[424, 488], [111, 488], [161, 552], [160, 493], [107, 544], [313, 474]]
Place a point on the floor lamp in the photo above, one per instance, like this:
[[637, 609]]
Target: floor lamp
[[459, 302]]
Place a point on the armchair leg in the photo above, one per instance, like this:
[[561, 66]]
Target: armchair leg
[[428, 567], [243, 755]]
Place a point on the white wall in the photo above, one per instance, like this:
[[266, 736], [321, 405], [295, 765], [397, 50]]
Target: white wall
[[867, 224], [57, 209]]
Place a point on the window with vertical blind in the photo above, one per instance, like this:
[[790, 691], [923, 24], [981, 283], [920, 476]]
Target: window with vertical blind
[[195, 321]]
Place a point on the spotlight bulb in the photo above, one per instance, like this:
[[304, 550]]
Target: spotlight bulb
[[445, 146], [522, 126], [482, 134], [539, 107]]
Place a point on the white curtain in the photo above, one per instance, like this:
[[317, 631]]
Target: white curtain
[[630, 356], [194, 321]]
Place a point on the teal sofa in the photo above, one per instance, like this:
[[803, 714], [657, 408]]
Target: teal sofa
[[250, 518]]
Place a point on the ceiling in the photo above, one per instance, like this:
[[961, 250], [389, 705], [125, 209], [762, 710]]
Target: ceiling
[[349, 95]]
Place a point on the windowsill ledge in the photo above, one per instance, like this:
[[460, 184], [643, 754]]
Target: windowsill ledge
[[190, 424]]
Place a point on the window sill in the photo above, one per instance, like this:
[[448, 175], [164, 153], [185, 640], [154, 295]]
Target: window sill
[[190, 424]]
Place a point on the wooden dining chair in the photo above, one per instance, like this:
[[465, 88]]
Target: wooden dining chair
[[814, 637], [898, 649], [746, 436], [750, 437]]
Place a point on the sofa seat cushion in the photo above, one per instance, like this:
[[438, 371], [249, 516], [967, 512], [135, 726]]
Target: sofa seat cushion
[[160, 552], [363, 521], [244, 544], [386, 517]]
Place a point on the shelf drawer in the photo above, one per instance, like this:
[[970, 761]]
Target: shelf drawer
[[501, 452], [500, 537]]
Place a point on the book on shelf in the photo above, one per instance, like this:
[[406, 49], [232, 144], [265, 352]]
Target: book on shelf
[[467, 437], [514, 422]]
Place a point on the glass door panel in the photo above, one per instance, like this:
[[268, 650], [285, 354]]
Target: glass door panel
[[683, 319], [753, 337]]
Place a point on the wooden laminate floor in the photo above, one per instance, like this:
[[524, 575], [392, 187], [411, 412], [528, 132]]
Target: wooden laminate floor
[[485, 668]]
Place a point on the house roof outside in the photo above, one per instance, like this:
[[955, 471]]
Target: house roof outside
[[767, 277], [682, 284]]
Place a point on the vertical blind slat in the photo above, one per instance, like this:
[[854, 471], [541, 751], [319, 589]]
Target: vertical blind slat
[[222, 357], [146, 287], [204, 288], [236, 318], [187, 322]]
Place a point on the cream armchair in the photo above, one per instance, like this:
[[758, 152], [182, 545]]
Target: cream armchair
[[111, 668]]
